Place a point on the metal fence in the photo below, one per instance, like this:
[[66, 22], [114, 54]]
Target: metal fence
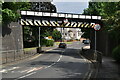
[[15, 55]]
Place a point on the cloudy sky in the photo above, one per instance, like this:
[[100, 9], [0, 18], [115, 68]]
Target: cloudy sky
[[71, 7]]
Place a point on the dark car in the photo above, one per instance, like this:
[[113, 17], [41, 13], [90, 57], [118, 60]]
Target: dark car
[[83, 41], [62, 45], [86, 41]]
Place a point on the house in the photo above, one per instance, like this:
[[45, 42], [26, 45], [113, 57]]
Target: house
[[70, 33]]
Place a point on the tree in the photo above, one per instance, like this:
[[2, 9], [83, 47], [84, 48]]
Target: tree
[[110, 15], [56, 35], [110, 12], [43, 7], [10, 10]]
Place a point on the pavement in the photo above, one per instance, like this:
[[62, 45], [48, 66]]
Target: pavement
[[110, 69]]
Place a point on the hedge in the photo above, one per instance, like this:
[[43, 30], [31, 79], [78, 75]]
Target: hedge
[[116, 53]]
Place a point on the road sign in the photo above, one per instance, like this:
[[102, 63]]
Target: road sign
[[65, 20], [97, 27]]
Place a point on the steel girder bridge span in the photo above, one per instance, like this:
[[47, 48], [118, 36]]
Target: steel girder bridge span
[[62, 20]]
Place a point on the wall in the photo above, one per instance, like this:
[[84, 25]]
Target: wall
[[12, 37]]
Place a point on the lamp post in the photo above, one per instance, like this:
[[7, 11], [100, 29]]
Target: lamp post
[[39, 37], [39, 50]]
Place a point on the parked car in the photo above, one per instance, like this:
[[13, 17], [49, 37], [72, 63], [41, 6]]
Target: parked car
[[83, 41], [86, 41], [62, 45]]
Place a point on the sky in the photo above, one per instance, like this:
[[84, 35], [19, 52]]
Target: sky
[[71, 7]]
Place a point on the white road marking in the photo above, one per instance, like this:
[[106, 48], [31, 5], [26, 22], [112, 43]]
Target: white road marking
[[23, 71], [54, 62], [73, 74], [11, 69], [86, 75], [34, 69], [78, 73], [89, 75], [31, 70], [4, 70], [26, 75]]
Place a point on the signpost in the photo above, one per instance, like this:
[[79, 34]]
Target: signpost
[[97, 27]]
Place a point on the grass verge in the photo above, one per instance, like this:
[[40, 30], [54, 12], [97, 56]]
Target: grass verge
[[57, 43]]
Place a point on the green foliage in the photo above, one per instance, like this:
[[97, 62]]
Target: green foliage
[[110, 12], [27, 32], [8, 15], [94, 8], [11, 10], [86, 33], [56, 35], [45, 42], [116, 53], [0, 19], [49, 42]]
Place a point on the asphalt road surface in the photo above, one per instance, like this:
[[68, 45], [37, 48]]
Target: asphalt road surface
[[54, 64]]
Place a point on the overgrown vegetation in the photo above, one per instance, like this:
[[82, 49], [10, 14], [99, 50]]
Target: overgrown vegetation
[[45, 42], [110, 12], [11, 10], [56, 35], [116, 53]]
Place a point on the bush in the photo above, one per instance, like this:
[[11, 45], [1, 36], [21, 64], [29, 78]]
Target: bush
[[116, 53], [43, 42], [56, 35], [49, 42]]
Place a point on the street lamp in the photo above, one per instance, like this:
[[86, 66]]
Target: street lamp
[[39, 46]]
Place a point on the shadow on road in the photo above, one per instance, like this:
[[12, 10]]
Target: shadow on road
[[67, 52], [71, 64]]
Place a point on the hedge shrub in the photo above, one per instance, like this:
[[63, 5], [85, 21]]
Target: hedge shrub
[[49, 42], [116, 53], [45, 42]]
